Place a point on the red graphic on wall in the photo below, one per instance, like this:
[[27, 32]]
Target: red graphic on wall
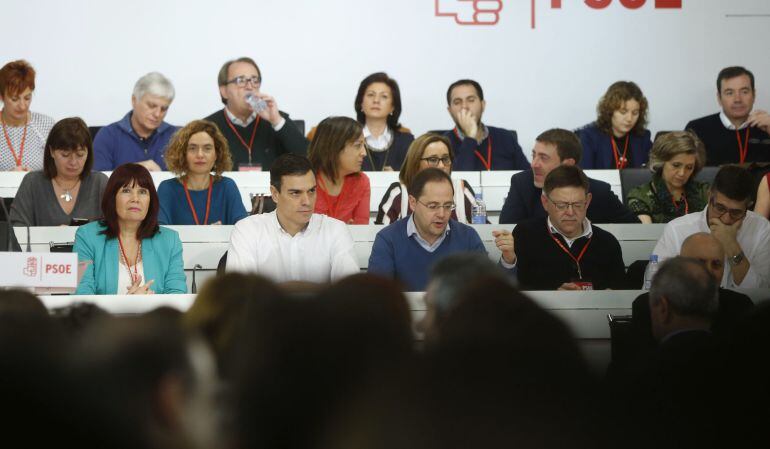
[[487, 12], [470, 12], [31, 269]]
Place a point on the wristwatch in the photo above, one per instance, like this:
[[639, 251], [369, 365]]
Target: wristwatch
[[736, 259]]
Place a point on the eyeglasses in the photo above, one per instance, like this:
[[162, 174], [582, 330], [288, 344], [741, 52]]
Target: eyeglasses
[[242, 80], [576, 206], [434, 207], [434, 160], [721, 209]]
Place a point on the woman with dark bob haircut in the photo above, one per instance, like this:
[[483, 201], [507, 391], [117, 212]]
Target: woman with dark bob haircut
[[336, 154], [618, 138], [378, 108], [65, 191], [128, 246], [194, 152]]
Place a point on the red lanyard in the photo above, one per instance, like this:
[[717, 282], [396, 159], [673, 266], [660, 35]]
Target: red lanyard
[[135, 275], [332, 207], [10, 146], [620, 161], [192, 208], [576, 259], [743, 148], [686, 206], [253, 133], [487, 163]]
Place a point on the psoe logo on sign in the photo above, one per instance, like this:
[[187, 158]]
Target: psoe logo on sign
[[30, 269], [470, 12]]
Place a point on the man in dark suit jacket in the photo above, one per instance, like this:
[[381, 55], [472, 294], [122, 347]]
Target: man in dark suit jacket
[[731, 305], [676, 394], [553, 148]]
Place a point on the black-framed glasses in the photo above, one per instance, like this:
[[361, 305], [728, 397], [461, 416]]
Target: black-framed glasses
[[434, 160], [242, 80], [434, 207], [576, 206], [721, 209]]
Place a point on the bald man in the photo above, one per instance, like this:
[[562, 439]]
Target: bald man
[[732, 305]]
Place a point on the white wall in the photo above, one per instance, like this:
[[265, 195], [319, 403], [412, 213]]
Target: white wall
[[313, 54]]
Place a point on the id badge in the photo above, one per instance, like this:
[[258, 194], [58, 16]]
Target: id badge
[[250, 166], [584, 285]]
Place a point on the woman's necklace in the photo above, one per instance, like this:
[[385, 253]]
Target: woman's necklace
[[67, 195]]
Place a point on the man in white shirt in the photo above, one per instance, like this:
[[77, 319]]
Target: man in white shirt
[[292, 243], [744, 235]]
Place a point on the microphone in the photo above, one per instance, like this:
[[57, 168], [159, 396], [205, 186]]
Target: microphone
[[193, 287]]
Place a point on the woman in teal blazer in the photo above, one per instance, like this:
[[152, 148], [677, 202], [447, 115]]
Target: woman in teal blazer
[[128, 246]]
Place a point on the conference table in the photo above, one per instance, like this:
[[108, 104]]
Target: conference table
[[584, 312]]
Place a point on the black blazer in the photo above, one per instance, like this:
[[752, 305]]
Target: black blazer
[[523, 202]]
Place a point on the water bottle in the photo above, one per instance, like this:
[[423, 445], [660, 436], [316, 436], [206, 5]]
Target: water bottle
[[652, 268], [479, 214], [256, 103]]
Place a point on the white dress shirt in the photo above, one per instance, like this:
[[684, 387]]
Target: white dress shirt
[[322, 252], [753, 238], [729, 125]]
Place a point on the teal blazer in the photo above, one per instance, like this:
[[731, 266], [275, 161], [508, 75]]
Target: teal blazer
[[161, 259]]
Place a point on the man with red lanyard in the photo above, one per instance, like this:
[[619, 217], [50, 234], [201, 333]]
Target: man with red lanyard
[[476, 146], [737, 134], [256, 139], [564, 251]]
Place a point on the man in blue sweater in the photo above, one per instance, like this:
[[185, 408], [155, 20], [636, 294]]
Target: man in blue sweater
[[476, 146], [406, 249], [141, 136]]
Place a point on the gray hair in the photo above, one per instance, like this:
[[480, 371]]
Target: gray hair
[[687, 285], [451, 274], [156, 84]]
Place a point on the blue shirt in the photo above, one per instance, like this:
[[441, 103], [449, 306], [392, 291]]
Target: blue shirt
[[117, 144], [226, 204], [395, 254]]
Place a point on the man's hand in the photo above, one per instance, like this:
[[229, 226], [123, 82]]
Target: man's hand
[[504, 242], [271, 113], [468, 123], [727, 235], [569, 286], [760, 119], [150, 165]]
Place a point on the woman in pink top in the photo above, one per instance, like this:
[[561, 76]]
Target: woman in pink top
[[337, 153]]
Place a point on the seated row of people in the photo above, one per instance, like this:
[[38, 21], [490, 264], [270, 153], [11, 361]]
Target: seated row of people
[[617, 139], [562, 250]]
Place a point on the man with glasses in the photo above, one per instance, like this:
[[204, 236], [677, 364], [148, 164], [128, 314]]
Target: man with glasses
[[744, 235], [564, 251], [553, 148], [406, 249], [142, 135], [256, 138]]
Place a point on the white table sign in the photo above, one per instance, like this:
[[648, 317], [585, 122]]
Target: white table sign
[[39, 269]]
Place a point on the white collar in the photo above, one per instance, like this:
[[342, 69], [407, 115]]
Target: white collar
[[411, 230], [728, 124], [239, 122], [587, 231], [377, 143]]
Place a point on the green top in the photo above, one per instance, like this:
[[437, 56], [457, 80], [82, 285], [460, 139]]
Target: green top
[[655, 200]]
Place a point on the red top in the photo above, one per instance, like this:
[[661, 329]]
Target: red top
[[351, 205]]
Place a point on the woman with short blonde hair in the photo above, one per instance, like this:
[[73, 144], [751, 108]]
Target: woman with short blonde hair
[[675, 159]]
